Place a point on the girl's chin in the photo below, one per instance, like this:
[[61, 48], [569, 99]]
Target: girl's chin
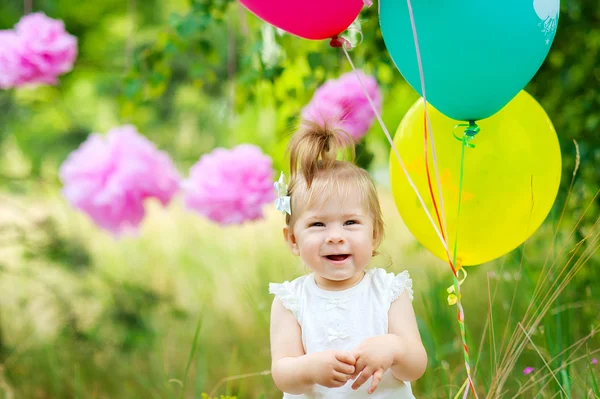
[[341, 279]]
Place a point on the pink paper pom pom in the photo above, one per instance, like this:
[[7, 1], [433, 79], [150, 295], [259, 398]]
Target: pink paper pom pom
[[46, 50], [36, 52], [110, 177], [342, 103], [230, 186]]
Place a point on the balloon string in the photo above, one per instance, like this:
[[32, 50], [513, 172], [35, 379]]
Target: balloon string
[[431, 193], [461, 312], [428, 124], [451, 262], [396, 153], [462, 388], [469, 134]]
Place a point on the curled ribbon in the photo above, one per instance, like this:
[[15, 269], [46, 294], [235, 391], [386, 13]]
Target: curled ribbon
[[338, 41], [452, 297]]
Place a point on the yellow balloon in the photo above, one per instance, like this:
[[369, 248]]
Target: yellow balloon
[[510, 179]]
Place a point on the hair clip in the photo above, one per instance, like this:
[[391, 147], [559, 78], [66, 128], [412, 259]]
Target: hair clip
[[282, 203]]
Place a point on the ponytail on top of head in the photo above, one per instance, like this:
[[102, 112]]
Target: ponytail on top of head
[[315, 147], [315, 171]]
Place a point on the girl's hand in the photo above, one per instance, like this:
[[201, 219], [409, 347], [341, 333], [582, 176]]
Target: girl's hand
[[331, 369], [373, 357]]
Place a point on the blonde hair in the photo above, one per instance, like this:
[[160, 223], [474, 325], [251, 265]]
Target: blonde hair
[[315, 170]]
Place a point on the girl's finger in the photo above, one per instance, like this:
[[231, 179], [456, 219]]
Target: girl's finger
[[362, 378], [376, 380]]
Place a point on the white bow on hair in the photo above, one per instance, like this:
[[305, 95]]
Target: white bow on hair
[[282, 203]]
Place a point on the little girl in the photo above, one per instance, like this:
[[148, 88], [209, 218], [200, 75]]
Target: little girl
[[340, 322]]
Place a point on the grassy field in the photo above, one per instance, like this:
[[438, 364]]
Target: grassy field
[[182, 309]]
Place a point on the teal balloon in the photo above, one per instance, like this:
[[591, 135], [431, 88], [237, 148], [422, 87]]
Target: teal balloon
[[476, 54]]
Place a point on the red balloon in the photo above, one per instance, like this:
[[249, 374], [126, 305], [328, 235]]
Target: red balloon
[[309, 19]]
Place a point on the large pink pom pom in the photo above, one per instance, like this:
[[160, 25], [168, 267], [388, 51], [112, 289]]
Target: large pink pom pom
[[110, 177], [37, 52], [46, 49], [231, 186], [341, 103]]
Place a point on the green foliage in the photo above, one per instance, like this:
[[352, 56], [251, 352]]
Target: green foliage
[[191, 76], [50, 245]]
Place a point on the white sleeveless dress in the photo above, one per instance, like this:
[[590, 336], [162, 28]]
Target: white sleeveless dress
[[341, 320]]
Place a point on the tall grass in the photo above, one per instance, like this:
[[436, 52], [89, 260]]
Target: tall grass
[[124, 326]]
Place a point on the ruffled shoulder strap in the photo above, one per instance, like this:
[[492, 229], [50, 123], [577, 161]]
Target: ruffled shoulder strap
[[288, 293], [391, 285]]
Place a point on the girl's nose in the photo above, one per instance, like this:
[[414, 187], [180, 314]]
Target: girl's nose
[[335, 236]]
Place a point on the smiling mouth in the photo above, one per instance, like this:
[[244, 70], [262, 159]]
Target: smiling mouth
[[338, 258]]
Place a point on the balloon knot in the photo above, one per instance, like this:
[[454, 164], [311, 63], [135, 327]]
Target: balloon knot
[[458, 264], [471, 130], [338, 41]]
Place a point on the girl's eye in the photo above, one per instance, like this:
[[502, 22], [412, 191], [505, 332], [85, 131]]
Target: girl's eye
[[316, 224], [350, 222]]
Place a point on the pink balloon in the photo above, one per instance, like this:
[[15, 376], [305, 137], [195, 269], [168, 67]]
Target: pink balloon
[[309, 19]]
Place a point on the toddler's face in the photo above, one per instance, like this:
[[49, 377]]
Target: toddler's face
[[335, 240]]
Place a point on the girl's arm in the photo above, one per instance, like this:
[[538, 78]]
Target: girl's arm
[[410, 358], [295, 372], [287, 352]]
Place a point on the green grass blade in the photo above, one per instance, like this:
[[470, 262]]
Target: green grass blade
[[191, 357]]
